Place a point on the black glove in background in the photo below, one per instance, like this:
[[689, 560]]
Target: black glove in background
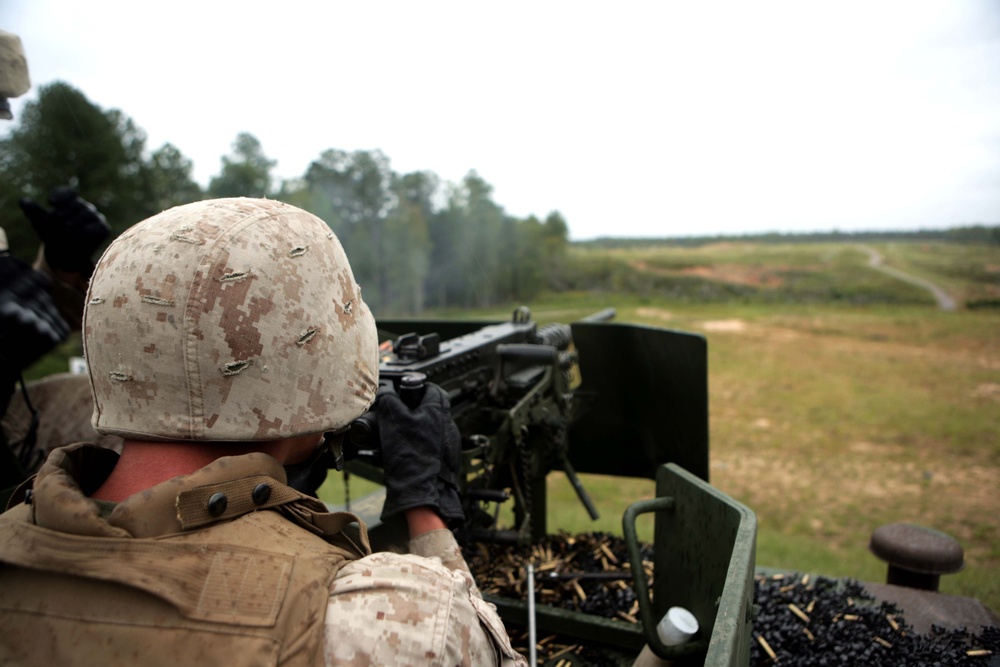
[[421, 453], [71, 232]]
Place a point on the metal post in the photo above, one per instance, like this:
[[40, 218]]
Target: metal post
[[533, 659]]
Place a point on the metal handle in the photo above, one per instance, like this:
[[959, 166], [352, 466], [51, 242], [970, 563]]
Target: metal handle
[[661, 504]]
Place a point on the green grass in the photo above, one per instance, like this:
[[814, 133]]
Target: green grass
[[868, 418]]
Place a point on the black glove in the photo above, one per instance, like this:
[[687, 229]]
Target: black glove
[[71, 231], [421, 453]]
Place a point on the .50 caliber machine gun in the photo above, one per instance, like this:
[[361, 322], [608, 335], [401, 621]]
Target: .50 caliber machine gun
[[528, 399]]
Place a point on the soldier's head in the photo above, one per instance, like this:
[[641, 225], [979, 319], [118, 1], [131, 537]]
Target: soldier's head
[[228, 320], [14, 80]]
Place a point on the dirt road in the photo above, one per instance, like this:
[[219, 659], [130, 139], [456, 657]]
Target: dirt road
[[944, 300]]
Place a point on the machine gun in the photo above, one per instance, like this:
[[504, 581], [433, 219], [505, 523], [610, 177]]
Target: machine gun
[[511, 392], [527, 399]]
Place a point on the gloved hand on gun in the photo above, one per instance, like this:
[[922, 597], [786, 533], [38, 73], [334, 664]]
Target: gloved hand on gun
[[71, 231], [421, 450]]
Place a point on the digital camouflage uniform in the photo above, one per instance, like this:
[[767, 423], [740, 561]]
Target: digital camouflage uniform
[[161, 578], [421, 609], [226, 320]]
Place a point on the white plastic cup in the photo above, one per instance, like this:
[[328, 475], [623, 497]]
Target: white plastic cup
[[677, 626]]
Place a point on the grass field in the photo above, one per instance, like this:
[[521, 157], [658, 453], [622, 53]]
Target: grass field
[[840, 399]]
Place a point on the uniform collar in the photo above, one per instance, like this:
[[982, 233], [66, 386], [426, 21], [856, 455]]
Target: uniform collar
[[226, 488]]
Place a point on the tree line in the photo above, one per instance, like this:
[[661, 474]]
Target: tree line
[[978, 234], [414, 241]]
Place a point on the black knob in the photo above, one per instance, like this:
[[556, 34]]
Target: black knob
[[411, 389]]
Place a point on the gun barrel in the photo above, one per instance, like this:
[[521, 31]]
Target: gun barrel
[[605, 315], [538, 354]]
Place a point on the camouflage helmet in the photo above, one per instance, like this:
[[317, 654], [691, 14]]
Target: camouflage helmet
[[228, 320], [14, 79]]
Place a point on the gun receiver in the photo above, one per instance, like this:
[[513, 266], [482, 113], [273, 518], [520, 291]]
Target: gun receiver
[[511, 390]]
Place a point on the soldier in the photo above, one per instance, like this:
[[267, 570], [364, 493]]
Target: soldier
[[224, 338], [14, 79], [41, 304]]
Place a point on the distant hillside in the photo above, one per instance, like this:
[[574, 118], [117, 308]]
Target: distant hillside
[[976, 234]]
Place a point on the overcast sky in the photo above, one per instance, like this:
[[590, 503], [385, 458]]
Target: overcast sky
[[630, 118]]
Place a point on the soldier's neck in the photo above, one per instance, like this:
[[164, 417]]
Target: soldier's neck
[[144, 464]]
